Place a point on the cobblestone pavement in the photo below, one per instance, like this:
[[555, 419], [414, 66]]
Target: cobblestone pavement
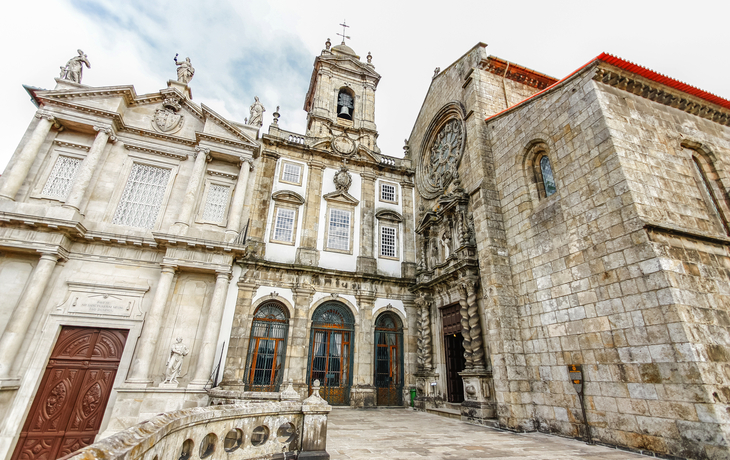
[[404, 434]]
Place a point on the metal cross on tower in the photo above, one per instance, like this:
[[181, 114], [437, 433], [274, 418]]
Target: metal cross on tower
[[344, 25]]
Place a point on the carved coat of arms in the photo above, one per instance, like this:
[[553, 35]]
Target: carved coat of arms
[[166, 119]]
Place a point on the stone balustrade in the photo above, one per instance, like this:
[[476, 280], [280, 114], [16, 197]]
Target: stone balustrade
[[287, 429]]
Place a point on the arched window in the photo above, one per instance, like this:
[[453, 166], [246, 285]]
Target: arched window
[[711, 190], [546, 173], [330, 352], [345, 104], [389, 359], [267, 348]]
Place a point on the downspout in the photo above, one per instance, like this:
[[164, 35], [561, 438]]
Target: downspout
[[504, 86]]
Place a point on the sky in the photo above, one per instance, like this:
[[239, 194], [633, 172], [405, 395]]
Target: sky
[[242, 49]]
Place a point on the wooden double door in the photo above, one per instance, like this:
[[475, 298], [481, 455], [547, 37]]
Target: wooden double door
[[69, 406], [453, 352]]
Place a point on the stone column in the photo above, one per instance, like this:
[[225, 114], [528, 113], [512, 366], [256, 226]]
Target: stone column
[[147, 343], [15, 177], [408, 266], [363, 392], [307, 253], [239, 197], [237, 343], [212, 330], [366, 261], [202, 156], [88, 166], [23, 313]]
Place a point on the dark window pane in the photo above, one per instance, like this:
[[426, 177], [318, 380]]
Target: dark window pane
[[547, 176]]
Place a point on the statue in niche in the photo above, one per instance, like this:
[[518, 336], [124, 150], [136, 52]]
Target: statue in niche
[[446, 242], [174, 362], [434, 256], [74, 67], [185, 70], [257, 113]]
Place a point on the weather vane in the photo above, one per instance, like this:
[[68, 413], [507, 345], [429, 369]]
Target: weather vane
[[344, 25]]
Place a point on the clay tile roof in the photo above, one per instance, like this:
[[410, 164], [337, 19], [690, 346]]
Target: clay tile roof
[[664, 80]]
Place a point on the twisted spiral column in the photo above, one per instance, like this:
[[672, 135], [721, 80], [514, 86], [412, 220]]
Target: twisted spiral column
[[465, 326], [424, 334]]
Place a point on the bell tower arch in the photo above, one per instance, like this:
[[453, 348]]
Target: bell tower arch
[[341, 96]]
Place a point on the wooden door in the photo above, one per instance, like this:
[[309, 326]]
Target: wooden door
[[330, 364], [70, 402], [454, 352]]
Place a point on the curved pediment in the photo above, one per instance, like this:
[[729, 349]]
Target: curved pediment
[[288, 196], [388, 214]]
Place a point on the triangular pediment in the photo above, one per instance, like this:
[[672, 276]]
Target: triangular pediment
[[341, 196], [228, 128]]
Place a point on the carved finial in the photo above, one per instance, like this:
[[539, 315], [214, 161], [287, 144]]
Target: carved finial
[[74, 67], [344, 26], [370, 58], [276, 116], [327, 44], [406, 149], [436, 72], [185, 70]]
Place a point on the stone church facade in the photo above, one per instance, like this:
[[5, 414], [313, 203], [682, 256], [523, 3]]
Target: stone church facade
[[547, 255]]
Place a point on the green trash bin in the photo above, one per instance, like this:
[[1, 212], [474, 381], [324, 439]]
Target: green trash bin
[[413, 396]]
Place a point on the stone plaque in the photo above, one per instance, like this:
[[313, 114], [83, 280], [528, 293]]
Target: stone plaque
[[103, 300]]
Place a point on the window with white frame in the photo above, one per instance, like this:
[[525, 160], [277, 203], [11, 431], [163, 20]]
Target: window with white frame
[[389, 241], [388, 192], [142, 196], [339, 228], [216, 203], [61, 177], [284, 225], [291, 173]]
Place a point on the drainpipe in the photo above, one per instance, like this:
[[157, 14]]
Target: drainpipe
[[504, 86]]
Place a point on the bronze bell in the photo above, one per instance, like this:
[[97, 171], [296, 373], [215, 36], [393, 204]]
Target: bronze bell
[[345, 111]]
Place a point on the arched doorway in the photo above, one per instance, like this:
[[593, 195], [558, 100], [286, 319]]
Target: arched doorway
[[389, 359], [267, 348], [330, 352]]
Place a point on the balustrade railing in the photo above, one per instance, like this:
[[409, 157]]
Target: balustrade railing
[[286, 429]]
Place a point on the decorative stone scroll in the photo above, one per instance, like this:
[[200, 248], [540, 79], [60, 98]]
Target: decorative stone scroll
[[442, 151]]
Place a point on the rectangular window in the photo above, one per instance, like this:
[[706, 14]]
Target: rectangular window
[[142, 196], [388, 193], [388, 242], [61, 178], [284, 225], [338, 234], [216, 203], [291, 173]]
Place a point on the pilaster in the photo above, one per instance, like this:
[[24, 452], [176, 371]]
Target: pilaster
[[88, 166], [238, 341], [366, 262], [308, 254]]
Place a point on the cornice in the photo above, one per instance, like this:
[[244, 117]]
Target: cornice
[[71, 145], [146, 149], [656, 92], [164, 239], [222, 174], [222, 140], [209, 113]]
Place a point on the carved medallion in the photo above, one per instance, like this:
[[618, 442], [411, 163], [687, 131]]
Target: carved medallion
[[166, 119], [342, 179], [442, 151], [343, 145]]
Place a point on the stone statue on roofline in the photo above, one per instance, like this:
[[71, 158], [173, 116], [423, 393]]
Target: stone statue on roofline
[[185, 70], [74, 67], [257, 113]]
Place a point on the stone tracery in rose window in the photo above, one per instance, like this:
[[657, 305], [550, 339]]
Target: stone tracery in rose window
[[439, 161]]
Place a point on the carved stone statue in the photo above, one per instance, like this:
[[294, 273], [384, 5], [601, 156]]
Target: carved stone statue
[[424, 333], [74, 67], [257, 113], [185, 70], [174, 362]]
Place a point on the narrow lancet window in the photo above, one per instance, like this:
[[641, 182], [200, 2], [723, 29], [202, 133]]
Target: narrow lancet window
[[548, 180]]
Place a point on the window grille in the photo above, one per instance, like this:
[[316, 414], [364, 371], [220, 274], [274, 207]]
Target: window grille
[[284, 225], [291, 173], [61, 178], [387, 192], [216, 203], [547, 176], [387, 242], [338, 236], [142, 196]]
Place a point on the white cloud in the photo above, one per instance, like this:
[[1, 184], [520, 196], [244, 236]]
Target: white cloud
[[266, 49]]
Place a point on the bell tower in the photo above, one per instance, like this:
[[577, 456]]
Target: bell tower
[[341, 98]]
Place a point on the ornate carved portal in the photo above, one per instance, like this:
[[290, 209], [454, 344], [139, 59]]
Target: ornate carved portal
[[69, 405]]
